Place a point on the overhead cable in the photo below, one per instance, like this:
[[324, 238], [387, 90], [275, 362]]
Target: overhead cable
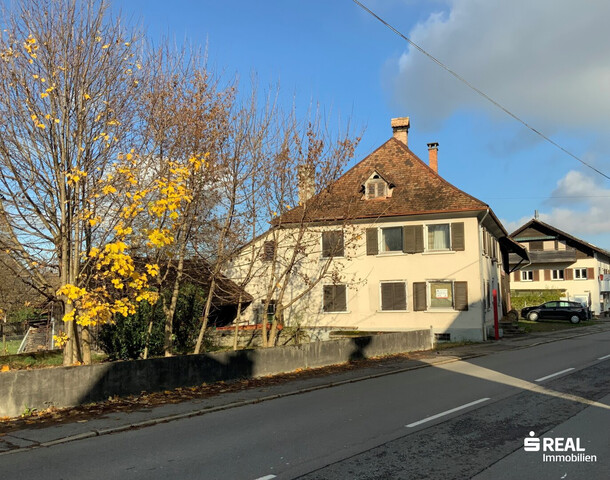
[[480, 92]]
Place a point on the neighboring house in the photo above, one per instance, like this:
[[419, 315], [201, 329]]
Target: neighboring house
[[402, 248], [560, 261]]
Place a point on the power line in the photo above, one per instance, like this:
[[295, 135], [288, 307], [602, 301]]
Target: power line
[[480, 92]]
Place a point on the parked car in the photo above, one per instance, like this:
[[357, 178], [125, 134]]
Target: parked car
[[572, 311]]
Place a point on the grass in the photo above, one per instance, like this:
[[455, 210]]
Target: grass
[[553, 325], [11, 347], [52, 358], [445, 345]]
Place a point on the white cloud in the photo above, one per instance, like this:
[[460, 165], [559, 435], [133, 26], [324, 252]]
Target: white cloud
[[545, 60], [578, 205]]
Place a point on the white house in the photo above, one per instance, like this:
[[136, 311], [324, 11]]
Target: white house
[[560, 261], [390, 246]]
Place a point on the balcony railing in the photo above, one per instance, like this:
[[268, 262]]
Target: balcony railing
[[546, 256]]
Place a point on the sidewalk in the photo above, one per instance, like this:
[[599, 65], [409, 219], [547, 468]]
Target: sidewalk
[[44, 436]]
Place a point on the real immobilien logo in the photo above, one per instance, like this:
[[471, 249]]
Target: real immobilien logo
[[570, 449]]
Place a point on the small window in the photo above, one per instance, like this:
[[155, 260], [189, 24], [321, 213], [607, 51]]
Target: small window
[[391, 239], [376, 187], [442, 337], [441, 295], [335, 298], [268, 251], [332, 244], [439, 237], [580, 273], [527, 275], [271, 310], [537, 245], [393, 296], [557, 274]]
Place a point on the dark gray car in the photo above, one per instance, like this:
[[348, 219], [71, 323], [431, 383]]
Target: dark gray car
[[560, 309]]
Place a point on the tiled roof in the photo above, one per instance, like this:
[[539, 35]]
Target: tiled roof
[[417, 190]]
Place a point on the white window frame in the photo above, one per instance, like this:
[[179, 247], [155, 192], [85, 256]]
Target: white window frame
[[426, 245], [429, 296], [380, 187], [406, 296], [525, 274], [346, 298], [555, 275], [381, 245], [580, 274]]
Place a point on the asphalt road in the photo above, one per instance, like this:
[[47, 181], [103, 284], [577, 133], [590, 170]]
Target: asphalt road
[[456, 420]]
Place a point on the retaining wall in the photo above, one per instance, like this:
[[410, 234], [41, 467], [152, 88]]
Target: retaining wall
[[70, 386]]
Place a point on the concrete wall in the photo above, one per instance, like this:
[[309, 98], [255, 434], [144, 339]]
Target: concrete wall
[[70, 386]]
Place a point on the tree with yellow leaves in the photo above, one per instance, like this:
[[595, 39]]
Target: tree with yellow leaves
[[69, 78]]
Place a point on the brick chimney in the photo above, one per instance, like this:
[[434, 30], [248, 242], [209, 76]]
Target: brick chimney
[[307, 182], [400, 129], [433, 156]]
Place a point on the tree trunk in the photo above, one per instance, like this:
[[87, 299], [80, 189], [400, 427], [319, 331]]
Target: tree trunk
[[237, 320], [86, 345], [206, 315]]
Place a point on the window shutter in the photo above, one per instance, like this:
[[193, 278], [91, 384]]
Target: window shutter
[[386, 296], [461, 296], [335, 298], [518, 276], [340, 298], [332, 244], [393, 296], [419, 296], [268, 250], [536, 275], [569, 273], [413, 238], [372, 245], [457, 236], [547, 275], [537, 245], [590, 273]]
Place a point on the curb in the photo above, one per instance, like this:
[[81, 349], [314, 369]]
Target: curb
[[228, 406]]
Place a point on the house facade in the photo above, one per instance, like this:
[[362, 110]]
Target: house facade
[[560, 261], [389, 246]]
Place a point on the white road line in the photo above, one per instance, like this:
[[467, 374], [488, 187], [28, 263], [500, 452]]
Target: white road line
[[604, 357], [266, 477], [553, 375], [438, 415]]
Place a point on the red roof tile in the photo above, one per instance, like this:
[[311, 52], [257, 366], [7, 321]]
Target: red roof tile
[[417, 190]]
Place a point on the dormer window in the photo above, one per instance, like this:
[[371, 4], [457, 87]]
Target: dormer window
[[377, 187]]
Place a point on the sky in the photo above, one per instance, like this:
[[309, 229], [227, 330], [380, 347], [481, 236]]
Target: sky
[[547, 62]]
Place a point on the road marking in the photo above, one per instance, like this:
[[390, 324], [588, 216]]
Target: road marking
[[266, 477], [553, 375], [604, 357], [438, 415]]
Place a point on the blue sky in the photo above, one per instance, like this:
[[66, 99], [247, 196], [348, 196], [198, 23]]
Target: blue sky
[[546, 61]]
